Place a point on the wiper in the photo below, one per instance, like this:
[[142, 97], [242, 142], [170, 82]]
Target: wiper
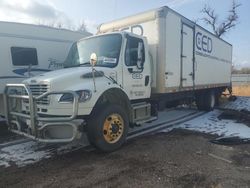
[[108, 77], [112, 79], [75, 65], [70, 66], [86, 63]]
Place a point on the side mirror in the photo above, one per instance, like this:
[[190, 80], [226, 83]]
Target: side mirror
[[140, 55], [93, 59]]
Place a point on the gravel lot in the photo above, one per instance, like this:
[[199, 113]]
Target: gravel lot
[[175, 159]]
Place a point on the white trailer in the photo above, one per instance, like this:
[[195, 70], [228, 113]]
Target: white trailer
[[27, 50], [121, 77], [185, 56]]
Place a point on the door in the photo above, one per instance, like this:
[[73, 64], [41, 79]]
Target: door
[[136, 82], [187, 56]]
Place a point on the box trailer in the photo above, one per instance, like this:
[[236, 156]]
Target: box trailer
[[122, 77], [185, 56], [27, 50]]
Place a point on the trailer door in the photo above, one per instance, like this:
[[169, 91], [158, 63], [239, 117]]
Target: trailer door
[[187, 56]]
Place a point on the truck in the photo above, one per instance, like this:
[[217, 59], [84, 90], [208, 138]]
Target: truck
[[120, 79], [27, 50]]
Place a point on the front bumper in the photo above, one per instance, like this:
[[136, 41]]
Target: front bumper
[[43, 129]]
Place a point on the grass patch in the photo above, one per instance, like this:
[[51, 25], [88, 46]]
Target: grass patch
[[241, 90]]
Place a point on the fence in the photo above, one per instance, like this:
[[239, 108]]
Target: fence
[[240, 79]]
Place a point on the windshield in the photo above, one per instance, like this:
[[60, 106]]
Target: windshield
[[107, 48]]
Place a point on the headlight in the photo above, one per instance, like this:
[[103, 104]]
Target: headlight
[[84, 95]]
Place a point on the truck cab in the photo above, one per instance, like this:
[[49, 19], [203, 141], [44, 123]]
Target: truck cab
[[98, 92]]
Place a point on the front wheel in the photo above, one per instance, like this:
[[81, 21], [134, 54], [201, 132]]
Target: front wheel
[[108, 127]]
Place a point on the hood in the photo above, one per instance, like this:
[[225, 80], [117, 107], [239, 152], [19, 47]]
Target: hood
[[58, 74], [68, 76]]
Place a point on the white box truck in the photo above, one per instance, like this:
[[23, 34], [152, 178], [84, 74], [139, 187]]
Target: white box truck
[[121, 77], [27, 50]]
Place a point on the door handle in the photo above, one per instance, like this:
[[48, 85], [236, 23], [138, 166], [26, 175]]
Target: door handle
[[130, 70], [146, 80]]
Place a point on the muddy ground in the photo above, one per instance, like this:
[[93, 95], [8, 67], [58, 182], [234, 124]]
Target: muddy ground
[[176, 159]]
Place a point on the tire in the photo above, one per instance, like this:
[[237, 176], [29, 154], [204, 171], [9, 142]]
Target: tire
[[199, 99], [210, 101], [107, 127], [217, 98], [172, 104], [206, 100]]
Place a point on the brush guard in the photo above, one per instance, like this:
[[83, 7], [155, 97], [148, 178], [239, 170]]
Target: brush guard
[[37, 125]]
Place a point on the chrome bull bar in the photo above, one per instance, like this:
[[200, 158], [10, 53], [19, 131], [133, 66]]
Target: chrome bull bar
[[12, 115]]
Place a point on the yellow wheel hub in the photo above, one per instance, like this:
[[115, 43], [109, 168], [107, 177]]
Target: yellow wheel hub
[[113, 128]]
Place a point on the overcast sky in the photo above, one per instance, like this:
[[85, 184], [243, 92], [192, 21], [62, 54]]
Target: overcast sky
[[94, 12]]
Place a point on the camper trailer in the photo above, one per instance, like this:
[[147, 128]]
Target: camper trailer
[[120, 78], [27, 50]]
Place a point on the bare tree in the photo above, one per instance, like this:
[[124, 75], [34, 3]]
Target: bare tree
[[243, 70], [82, 26], [59, 25], [53, 24], [220, 28]]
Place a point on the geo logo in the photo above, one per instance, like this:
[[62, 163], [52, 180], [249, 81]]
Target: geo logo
[[204, 43]]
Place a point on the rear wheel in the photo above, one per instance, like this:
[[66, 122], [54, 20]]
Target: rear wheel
[[206, 100], [210, 101], [108, 127], [200, 101]]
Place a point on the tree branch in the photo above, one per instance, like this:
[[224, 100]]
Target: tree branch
[[211, 19]]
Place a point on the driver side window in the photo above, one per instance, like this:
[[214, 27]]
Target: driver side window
[[131, 53]]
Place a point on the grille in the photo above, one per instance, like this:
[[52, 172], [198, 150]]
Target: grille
[[39, 89]]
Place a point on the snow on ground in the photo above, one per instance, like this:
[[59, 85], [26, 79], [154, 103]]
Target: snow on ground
[[23, 154], [210, 124], [31, 152], [241, 103], [4, 163]]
